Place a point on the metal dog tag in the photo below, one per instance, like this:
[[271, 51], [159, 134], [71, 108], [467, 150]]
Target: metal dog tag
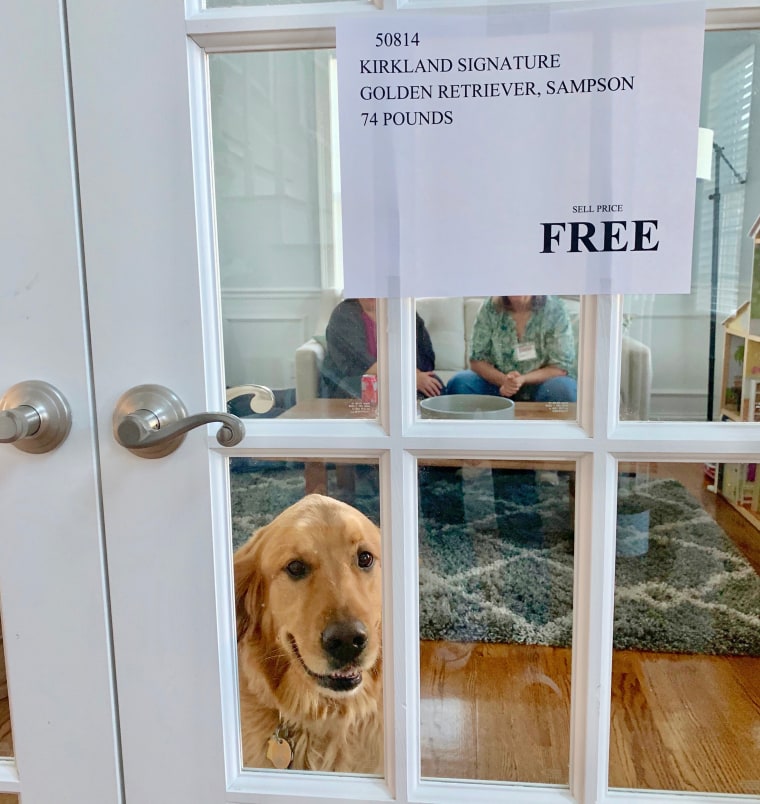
[[279, 752]]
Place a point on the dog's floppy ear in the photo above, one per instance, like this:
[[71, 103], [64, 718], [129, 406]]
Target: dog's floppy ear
[[249, 584]]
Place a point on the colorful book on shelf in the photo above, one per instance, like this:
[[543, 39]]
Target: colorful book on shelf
[[754, 401], [749, 485]]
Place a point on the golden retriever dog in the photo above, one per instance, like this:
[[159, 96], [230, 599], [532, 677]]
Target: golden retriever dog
[[308, 599]]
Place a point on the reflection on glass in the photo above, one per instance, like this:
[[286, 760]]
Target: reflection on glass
[[686, 370], [496, 589], [277, 205], [308, 605], [686, 661], [522, 349], [6, 739]]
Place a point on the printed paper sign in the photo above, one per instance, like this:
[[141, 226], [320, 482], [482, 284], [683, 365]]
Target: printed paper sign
[[515, 153]]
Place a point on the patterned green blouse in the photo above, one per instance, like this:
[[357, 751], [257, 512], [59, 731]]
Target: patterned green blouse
[[494, 338]]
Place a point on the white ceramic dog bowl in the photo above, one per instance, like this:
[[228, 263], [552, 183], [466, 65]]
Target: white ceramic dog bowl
[[467, 406]]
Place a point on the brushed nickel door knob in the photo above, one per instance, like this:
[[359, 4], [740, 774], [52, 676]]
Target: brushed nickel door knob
[[34, 417]]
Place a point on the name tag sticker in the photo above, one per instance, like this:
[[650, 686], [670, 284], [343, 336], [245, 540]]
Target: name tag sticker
[[525, 351]]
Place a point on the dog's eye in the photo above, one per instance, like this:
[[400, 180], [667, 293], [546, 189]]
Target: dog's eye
[[297, 569], [365, 559]]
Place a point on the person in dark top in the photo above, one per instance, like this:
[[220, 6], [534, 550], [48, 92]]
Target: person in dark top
[[352, 351]]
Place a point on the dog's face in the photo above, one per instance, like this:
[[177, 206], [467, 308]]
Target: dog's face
[[308, 593]]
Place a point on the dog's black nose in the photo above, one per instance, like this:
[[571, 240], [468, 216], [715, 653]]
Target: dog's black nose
[[344, 640]]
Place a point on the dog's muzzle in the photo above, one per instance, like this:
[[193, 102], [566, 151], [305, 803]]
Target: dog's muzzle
[[343, 642]]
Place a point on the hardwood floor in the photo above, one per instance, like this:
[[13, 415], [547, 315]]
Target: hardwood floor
[[678, 722], [502, 712], [685, 722], [495, 711]]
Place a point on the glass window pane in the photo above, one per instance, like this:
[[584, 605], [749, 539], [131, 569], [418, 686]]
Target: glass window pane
[[308, 602], [686, 660], [277, 204], [496, 589], [476, 356], [686, 370]]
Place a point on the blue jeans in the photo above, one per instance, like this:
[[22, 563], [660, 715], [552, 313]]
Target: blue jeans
[[557, 389]]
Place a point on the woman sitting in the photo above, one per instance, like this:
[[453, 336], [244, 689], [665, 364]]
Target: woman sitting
[[352, 351], [522, 348]]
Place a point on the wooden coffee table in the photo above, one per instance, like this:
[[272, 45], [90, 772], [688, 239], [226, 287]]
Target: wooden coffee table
[[315, 472], [356, 409]]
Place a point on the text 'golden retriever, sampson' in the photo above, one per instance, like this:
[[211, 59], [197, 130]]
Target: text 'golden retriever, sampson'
[[308, 597]]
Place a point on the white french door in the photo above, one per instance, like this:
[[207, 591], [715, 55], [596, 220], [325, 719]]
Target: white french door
[[139, 80], [53, 581]]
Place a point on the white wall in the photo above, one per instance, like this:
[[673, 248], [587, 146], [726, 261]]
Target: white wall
[[271, 149]]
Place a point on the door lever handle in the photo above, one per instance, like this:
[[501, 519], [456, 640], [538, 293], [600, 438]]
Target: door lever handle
[[151, 421], [34, 417]]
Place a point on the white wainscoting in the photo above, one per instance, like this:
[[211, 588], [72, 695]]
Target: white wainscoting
[[678, 405], [679, 340], [261, 331]]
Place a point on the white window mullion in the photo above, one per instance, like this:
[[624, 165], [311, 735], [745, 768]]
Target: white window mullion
[[401, 633], [593, 607], [593, 599], [687, 441], [396, 366], [663, 797], [600, 350]]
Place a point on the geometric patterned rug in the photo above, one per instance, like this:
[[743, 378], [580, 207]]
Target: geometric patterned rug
[[681, 585], [505, 573]]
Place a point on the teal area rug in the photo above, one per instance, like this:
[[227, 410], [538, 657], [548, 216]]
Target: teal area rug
[[505, 574]]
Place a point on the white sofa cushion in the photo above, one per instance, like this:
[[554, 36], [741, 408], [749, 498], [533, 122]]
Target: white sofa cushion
[[444, 319], [472, 305]]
